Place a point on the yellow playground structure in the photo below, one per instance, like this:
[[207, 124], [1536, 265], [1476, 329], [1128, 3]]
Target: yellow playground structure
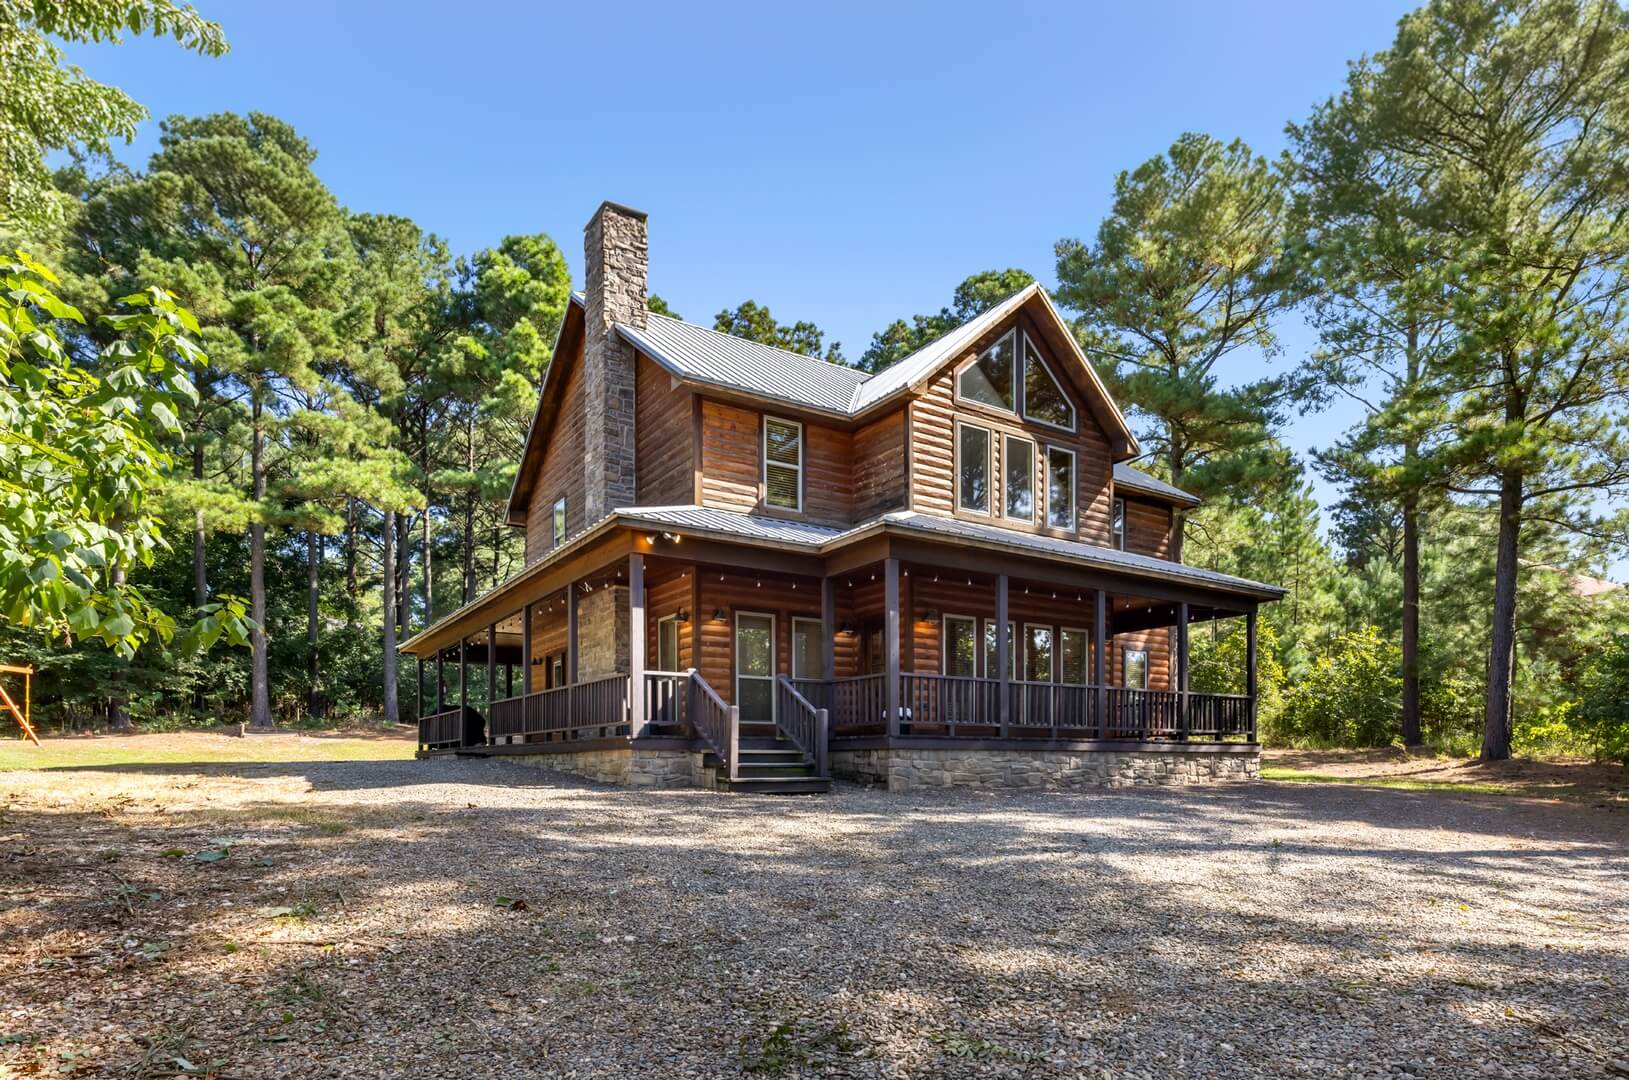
[[9, 703]]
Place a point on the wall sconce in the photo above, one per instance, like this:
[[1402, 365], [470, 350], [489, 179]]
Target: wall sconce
[[930, 615], [846, 628], [720, 615], [683, 615]]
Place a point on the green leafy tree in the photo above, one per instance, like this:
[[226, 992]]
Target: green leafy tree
[[752, 321], [1509, 116], [1186, 271], [973, 297], [1602, 715], [49, 106], [80, 451]]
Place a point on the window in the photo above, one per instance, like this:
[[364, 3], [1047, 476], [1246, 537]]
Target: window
[[1072, 656], [1038, 653], [1117, 525], [1018, 479], [973, 468], [990, 669], [557, 670], [667, 643], [783, 463], [960, 642], [808, 656], [1135, 669], [559, 521], [755, 666], [1044, 399], [1060, 487], [988, 380]]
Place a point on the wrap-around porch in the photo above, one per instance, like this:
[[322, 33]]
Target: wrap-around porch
[[897, 650]]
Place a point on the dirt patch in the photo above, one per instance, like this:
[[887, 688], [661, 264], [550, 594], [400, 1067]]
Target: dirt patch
[[1581, 780]]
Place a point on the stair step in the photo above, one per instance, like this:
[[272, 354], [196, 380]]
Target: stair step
[[803, 785]]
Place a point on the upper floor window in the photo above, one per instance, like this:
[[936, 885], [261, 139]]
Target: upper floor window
[[559, 521], [1060, 487], [783, 463], [1117, 525], [1018, 487], [988, 380], [973, 468], [1044, 399]]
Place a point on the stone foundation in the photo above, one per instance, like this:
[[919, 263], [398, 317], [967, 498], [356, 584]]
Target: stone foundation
[[910, 769], [626, 766]]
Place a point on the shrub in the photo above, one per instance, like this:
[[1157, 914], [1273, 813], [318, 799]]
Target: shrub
[[1350, 696], [1602, 716]]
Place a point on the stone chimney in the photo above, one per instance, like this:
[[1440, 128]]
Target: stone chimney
[[615, 256]]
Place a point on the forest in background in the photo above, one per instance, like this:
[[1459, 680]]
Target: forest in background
[[1455, 225]]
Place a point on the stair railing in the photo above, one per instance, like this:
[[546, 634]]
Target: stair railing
[[718, 724], [801, 723]]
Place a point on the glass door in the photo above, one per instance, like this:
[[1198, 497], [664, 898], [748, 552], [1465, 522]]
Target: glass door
[[755, 667]]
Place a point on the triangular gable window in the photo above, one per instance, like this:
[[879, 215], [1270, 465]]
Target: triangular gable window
[[1044, 399], [988, 380]]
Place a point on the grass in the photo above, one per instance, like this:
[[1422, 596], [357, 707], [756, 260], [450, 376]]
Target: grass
[[196, 748], [1302, 776]]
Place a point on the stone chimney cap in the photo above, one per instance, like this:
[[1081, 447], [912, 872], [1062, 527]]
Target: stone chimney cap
[[619, 208]]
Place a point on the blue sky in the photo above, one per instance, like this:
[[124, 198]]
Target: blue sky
[[843, 163]]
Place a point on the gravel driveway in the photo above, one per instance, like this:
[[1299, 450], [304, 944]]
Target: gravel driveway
[[455, 918]]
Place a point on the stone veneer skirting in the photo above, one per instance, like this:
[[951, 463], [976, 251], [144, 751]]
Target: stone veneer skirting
[[914, 769], [627, 765]]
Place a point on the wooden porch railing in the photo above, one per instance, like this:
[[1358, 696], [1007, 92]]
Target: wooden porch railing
[[716, 724], [667, 703], [595, 709], [858, 704], [802, 723], [440, 730]]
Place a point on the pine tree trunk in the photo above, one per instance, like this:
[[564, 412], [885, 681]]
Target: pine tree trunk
[[1177, 518], [118, 702], [259, 682], [313, 586], [389, 617], [1412, 731], [1502, 649], [352, 593], [426, 558], [404, 567], [200, 563], [469, 511]]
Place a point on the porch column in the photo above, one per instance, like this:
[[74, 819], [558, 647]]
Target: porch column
[[508, 680], [441, 680], [463, 673], [1003, 662], [491, 665], [1100, 659], [637, 644], [890, 633], [1250, 666], [1182, 670], [828, 628], [571, 633], [526, 650], [418, 687]]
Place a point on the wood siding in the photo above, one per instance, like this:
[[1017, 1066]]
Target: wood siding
[[732, 465], [1148, 528], [664, 457], [933, 418], [560, 472], [879, 470]]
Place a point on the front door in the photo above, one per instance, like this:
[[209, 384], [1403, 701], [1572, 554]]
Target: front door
[[755, 667]]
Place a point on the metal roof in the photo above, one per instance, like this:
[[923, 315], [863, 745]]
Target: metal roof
[[693, 352], [1137, 480], [824, 538]]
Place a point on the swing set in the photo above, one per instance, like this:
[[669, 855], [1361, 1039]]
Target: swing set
[[8, 703]]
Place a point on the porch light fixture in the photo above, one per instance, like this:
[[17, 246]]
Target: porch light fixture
[[683, 615], [719, 614], [846, 628], [931, 615]]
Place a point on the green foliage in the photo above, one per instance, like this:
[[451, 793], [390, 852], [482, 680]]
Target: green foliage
[[1185, 273], [754, 322], [1601, 717], [1217, 664], [79, 451], [973, 297], [49, 106], [1348, 696]]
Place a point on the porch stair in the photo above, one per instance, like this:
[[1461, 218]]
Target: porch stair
[[769, 766]]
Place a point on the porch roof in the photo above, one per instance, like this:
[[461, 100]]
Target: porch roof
[[823, 539]]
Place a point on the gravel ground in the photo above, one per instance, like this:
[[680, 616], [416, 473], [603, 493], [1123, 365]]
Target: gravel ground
[[359, 919]]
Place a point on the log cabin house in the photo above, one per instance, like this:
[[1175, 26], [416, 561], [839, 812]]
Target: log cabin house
[[752, 569]]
